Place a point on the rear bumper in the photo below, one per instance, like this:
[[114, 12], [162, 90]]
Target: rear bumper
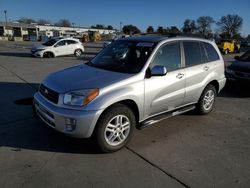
[[222, 83], [56, 117]]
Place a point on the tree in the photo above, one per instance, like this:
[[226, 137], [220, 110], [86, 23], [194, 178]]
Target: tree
[[172, 30], [189, 26], [160, 30], [224, 36], [26, 20], [98, 26], [150, 29], [204, 25], [63, 23], [110, 27], [130, 29], [43, 22], [230, 24], [237, 36]]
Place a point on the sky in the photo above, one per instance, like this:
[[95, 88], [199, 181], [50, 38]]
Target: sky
[[137, 12]]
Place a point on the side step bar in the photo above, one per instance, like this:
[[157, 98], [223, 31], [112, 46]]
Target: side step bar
[[161, 117]]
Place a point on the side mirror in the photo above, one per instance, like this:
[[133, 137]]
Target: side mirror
[[158, 70], [237, 57]]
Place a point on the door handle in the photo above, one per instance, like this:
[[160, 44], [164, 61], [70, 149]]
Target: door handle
[[206, 68], [179, 75]]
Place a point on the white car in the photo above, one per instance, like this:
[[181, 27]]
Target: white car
[[58, 47]]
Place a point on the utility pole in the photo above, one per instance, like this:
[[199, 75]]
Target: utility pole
[[6, 22], [120, 28], [5, 13]]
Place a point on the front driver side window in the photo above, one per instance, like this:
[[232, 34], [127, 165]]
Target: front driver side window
[[168, 55], [61, 43]]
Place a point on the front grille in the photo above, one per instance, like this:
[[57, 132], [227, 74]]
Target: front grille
[[45, 119], [44, 114], [49, 94]]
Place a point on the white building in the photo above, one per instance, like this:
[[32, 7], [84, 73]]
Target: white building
[[16, 30], [62, 30], [20, 31]]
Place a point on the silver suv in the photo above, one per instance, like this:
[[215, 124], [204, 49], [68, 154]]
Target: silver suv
[[132, 83]]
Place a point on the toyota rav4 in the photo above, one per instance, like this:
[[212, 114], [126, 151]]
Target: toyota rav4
[[132, 83]]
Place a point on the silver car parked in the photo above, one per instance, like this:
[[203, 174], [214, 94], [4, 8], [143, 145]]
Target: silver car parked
[[133, 82]]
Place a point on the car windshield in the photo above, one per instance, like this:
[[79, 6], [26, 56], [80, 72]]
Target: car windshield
[[50, 42], [123, 56], [245, 56]]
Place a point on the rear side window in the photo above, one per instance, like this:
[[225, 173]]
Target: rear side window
[[71, 42], [211, 52], [194, 53]]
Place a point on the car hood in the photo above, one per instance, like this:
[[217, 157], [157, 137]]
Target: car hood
[[82, 77], [241, 66], [38, 46]]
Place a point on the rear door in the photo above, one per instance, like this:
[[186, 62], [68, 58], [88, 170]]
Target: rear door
[[198, 67], [164, 93], [71, 47]]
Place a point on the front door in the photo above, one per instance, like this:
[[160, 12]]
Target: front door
[[60, 48], [164, 93]]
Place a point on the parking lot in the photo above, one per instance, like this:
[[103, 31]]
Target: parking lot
[[184, 151]]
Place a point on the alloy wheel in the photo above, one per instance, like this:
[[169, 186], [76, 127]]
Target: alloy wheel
[[208, 100], [117, 130]]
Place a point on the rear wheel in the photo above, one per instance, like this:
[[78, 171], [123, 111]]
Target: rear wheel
[[78, 52], [115, 128], [207, 99]]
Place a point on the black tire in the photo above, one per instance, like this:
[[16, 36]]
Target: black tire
[[48, 55], [106, 119], [201, 106], [78, 52]]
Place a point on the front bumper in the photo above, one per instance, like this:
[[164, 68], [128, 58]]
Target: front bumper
[[56, 116], [222, 83], [37, 53]]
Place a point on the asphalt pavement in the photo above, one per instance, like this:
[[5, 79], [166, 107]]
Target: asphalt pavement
[[184, 151]]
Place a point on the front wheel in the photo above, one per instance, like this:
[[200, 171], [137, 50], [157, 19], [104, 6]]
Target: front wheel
[[207, 100], [78, 53], [48, 55], [115, 128]]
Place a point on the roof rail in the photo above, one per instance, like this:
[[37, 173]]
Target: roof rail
[[178, 35]]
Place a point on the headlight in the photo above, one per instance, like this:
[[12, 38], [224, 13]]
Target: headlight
[[80, 97], [229, 71]]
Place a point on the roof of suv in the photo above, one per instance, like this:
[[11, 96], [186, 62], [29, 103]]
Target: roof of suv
[[159, 38], [145, 38]]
